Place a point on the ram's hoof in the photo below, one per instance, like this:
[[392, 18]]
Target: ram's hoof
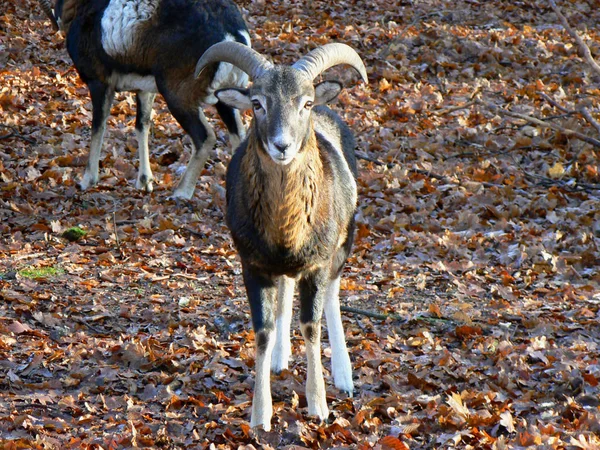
[[87, 181], [145, 183]]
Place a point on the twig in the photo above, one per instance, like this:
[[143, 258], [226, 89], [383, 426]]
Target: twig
[[577, 187], [582, 45], [365, 157], [555, 103], [375, 161], [535, 120], [15, 133], [432, 175], [187, 276], [194, 232], [371, 314], [588, 116], [441, 112], [82, 321], [116, 232]]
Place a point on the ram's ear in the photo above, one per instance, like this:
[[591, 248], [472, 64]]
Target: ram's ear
[[236, 98], [327, 91]]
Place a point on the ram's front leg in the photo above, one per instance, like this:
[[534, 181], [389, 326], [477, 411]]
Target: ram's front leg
[[261, 292], [312, 295], [102, 97], [341, 368]]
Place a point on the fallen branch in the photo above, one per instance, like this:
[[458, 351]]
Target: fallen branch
[[587, 54], [588, 116], [555, 103], [582, 111], [371, 314], [535, 120]]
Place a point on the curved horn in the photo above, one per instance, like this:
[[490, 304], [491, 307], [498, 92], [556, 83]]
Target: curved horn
[[329, 55], [47, 8], [240, 55]]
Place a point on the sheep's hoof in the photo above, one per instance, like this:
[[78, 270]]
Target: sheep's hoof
[[280, 359], [88, 180], [342, 376], [182, 194], [145, 183], [261, 418], [319, 409], [181, 202]]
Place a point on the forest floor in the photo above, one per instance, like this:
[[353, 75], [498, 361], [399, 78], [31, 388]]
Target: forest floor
[[478, 236]]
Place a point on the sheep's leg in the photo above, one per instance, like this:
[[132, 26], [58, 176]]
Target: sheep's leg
[[144, 101], [312, 293], [233, 121], [102, 97], [203, 137], [340, 360], [283, 347], [261, 292]]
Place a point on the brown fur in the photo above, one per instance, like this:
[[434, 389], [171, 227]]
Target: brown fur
[[69, 11], [187, 89], [286, 200]]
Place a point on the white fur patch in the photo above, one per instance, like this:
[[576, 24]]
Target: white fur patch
[[262, 403], [120, 22], [329, 131], [340, 360], [283, 346], [227, 75], [133, 82], [315, 385]]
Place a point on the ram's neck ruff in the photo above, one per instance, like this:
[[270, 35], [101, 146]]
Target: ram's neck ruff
[[285, 198]]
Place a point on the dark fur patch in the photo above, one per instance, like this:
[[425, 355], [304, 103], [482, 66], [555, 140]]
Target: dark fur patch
[[262, 340], [310, 333]]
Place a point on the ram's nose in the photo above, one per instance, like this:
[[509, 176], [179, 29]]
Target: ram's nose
[[282, 147]]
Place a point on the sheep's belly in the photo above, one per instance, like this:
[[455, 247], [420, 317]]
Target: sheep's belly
[[133, 82]]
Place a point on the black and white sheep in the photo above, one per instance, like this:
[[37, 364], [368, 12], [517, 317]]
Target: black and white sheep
[[150, 47]]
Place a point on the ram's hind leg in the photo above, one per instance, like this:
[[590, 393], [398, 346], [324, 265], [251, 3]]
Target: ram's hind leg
[[193, 121], [340, 360], [233, 121], [283, 347], [144, 102], [312, 294], [102, 97]]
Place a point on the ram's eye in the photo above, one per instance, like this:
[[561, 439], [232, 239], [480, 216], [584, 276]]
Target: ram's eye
[[256, 105], [308, 105]]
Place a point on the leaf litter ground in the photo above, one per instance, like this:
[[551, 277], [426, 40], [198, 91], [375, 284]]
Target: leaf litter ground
[[480, 232]]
